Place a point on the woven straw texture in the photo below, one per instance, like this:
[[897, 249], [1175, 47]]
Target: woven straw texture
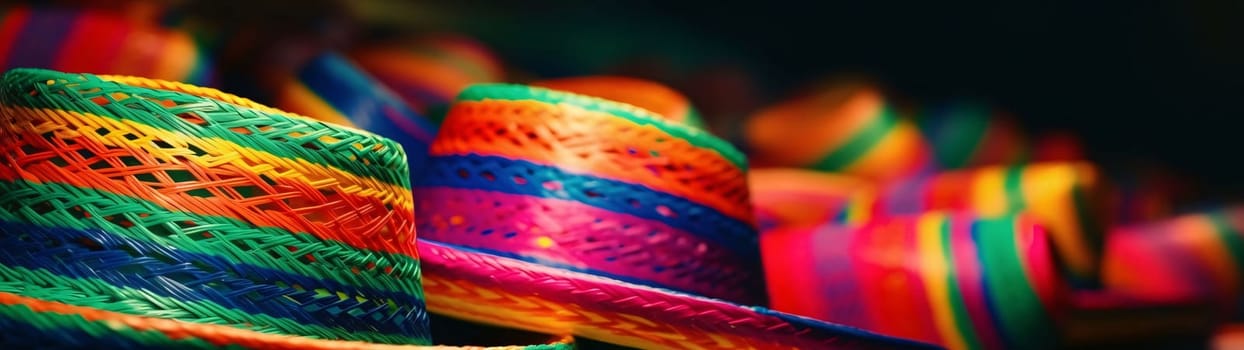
[[30, 323], [949, 279], [594, 186], [99, 42], [1066, 198], [496, 290], [170, 201]]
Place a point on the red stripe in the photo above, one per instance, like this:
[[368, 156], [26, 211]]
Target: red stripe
[[11, 27], [93, 45]]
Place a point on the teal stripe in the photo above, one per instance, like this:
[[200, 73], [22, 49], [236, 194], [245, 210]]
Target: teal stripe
[[694, 136], [859, 144], [61, 205], [1013, 184], [1012, 296], [963, 321]]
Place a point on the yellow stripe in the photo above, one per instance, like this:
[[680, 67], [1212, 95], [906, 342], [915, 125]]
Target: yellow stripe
[[928, 236], [219, 152], [1048, 190], [989, 192]]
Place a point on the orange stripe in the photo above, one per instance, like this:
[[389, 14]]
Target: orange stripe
[[804, 130], [641, 93], [294, 209], [428, 72], [571, 139], [216, 334]]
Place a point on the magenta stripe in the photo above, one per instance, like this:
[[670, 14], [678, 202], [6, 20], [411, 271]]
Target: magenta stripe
[[585, 238], [762, 328]]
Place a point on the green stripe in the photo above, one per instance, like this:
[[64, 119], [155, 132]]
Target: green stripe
[[694, 118], [54, 323], [692, 135], [959, 135], [963, 322], [1012, 296], [99, 294], [73, 92], [1013, 184], [859, 144], [61, 205], [1229, 236]]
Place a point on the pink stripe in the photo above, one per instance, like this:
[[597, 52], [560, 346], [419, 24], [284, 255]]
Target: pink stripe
[[966, 255], [574, 235]]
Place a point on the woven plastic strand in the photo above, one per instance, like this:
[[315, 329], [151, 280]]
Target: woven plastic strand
[[53, 322]]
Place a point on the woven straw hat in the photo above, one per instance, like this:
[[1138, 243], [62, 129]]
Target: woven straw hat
[[562, 213], [138, 212]]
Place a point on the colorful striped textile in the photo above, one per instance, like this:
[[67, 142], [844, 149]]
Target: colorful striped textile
[[99, 42], [849, 129], [967, 134], [1064, 197], [428, 72], [332, 88], [162, 200], [953, 279], [646, 94], [556, 212], [784, 197], [1191, 256]]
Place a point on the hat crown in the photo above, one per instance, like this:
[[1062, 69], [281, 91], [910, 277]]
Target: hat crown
[[591, 185]]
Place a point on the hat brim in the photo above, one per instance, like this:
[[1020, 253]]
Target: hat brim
[[468, 284]]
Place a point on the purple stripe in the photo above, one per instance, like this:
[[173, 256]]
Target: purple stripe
[[906, 197], [40, 41]]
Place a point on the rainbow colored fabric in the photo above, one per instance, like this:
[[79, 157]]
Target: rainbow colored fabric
[[784, 197], [1064, 197], [957, 280], [128, 196], [847, 129], [99, 42], [332, 88], [1197, 256]]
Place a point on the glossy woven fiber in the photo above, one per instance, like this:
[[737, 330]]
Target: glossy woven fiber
[[951, 279], [591, 185], [428, 72], [649, 95], [487, 288], [28, 323], [1066, 198], [1190, 256], [966, 134], [784, 197], [849, 129], [98, 42], [171, 201], [332, 88]]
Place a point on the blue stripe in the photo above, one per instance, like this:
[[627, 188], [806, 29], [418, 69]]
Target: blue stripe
[[39, 42], [465, 172], [169, 272], [367, 103]]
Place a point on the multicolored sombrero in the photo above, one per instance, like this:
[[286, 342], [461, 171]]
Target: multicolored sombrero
[[332, 88], [849, 128], [969, 134], [428, 72], [646, 94], [1190, 256], [99, 42], [957, 280], [783, 197], [139, 211], [562, 213], [1063, 197]]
